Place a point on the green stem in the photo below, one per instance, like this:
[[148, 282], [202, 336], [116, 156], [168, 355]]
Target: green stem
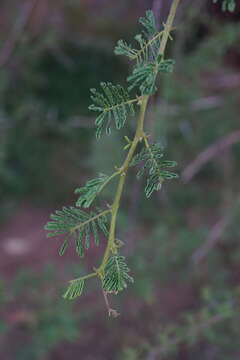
[[139, 136], [111, 247], [119, 105], [168, 27], [93, 274]]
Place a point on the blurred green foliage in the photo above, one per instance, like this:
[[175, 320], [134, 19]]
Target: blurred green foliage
[[45, 118], [35, 314]]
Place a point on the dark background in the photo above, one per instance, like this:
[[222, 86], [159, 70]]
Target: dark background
[[182, 244]]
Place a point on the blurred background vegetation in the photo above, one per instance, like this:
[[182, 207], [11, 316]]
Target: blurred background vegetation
[[183, 245]]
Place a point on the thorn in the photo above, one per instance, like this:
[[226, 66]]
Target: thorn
[[139, 102]]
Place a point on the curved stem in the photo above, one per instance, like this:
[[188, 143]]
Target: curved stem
[[111, 247]]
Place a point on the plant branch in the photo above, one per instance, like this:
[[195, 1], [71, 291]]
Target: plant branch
[[139, 136], [111, 247], [104, 272]]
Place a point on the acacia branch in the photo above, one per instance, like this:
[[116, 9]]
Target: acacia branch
[[139, 135]]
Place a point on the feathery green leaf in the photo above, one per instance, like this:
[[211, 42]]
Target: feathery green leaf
[[148, 41], [148, 63], [153, 166], [116, 275], [74, 289], [113, 103], [123, 48], [91, 190], [63, 247], [78, 224], [144, 76]]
